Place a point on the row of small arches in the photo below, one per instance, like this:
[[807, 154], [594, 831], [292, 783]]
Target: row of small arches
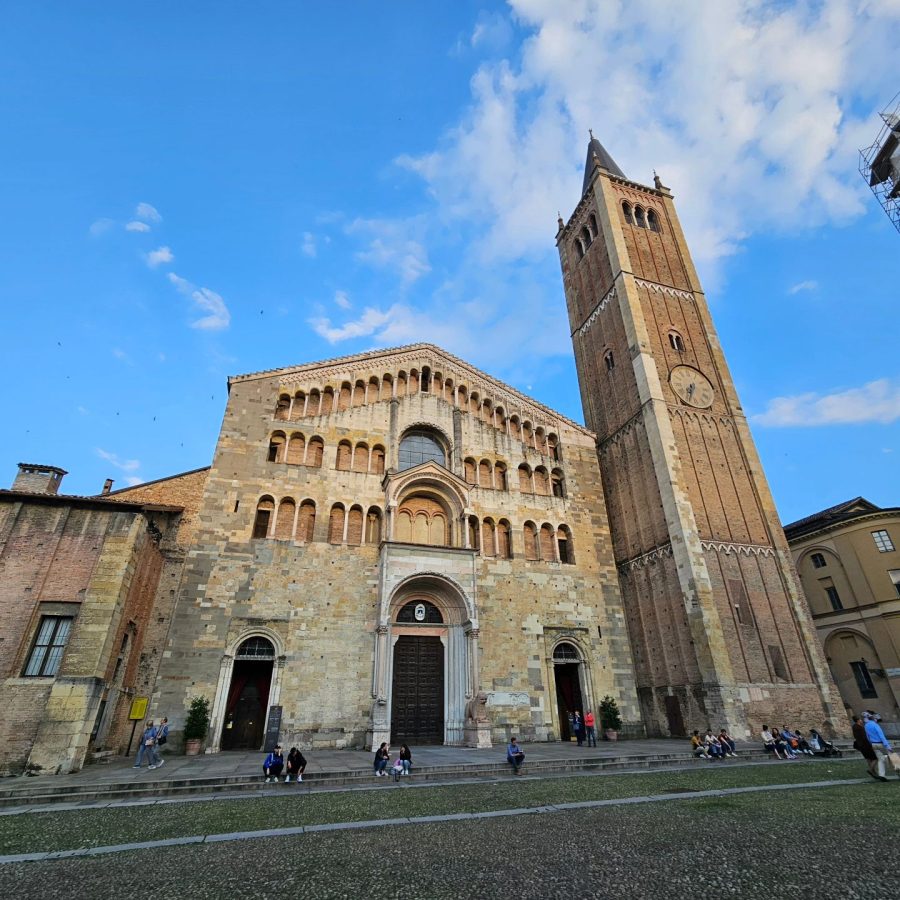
[[587, 235], [286, 520], [637, 215], [321, 402], [293, 449]]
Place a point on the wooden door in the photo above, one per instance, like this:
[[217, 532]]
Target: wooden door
[[417, 698]]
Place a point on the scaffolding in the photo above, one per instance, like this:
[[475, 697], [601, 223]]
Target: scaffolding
[[879, 164]]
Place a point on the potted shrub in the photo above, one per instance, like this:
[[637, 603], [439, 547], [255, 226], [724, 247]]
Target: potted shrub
[[610, 719], [196, 725]]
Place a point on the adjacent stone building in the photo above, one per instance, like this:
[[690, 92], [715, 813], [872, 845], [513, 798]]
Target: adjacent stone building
[[85, 584], [849, 563], [396, 546]]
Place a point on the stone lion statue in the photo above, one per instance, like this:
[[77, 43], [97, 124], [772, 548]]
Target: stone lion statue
[[476, 708]]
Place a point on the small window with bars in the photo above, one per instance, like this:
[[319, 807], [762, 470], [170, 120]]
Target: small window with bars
[[883, 541], [863, 679], [818, 560], [49, 645]]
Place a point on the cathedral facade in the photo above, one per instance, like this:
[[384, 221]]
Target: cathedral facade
[[396, 546]]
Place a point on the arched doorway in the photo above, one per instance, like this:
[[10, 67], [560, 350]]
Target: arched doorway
[[566, 673], [417, 692], [248, 695]]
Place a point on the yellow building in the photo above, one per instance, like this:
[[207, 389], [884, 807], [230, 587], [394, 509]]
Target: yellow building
[[849, 564]]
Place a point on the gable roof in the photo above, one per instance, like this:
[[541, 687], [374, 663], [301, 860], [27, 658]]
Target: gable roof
[[360, 360], [842, 512]]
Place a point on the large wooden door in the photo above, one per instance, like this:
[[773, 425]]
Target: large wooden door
[[417, 698]]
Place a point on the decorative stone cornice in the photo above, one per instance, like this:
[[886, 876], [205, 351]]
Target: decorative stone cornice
[[645, 559], [607, 298], [730, 547], [664, 289]]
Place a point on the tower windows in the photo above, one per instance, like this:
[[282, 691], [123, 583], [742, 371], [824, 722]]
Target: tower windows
[[676, 342], [833, 597], [557, 483], [863, 679], [592, 225], [264, 510], [585, 236], [314, 450], [609, 361], [564, 544], [883, 541], [640, 218], [284, 524], [283, 407], [818, 560], [579, 248], [276, 447], [627, 213], [653, 221]]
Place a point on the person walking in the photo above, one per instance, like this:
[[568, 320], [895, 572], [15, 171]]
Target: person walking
[[160, 737], [273, 764], [382, 758], [862, 744], [590, 728], [148, 736], [296, 765], [880, 745], [515, 755], [405, 758]]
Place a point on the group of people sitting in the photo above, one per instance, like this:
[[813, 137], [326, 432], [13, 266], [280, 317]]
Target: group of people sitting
[[275, 764], [788, 744], [402, 764], [712, 746]]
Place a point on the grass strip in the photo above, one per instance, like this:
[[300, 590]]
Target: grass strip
[[72, 829]]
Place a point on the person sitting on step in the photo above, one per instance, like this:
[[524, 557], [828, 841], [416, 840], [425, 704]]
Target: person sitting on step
[[727, 743], [273, 764], [405, 758], [774, 744], [382, 757], [515, 755], [713, 747], [296, 765], [697, 746]]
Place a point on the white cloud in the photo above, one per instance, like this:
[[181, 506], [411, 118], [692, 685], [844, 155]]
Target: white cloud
[[120, 354], [392, 244], [147, 212], [341, 300], [159, 256], [803, 286], [137, 226], [131, 481], [126, 465], [100, 226], [217, 315], [368, 323], [742, 106], [308, 247], [877, 401]]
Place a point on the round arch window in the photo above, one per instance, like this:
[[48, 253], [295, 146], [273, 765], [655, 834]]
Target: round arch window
[[420, 612], [565, 652], [418, 447], [256, 648]]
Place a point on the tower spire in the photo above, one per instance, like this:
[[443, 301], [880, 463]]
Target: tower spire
[[598, 156]]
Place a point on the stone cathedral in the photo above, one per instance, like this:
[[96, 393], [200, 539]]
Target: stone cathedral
[[396, 546]]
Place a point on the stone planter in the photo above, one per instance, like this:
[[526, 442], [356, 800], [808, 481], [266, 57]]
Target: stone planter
[[192, 747], [611, 734]]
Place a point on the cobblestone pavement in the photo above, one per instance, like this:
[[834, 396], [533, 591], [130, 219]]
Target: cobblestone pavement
[[838, 841]]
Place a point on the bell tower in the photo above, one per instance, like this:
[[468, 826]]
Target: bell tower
[[720, 632]]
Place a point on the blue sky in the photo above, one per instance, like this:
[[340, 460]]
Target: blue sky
[[197, 190]]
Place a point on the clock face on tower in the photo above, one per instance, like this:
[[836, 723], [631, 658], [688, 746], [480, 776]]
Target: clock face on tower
[[692, 386]]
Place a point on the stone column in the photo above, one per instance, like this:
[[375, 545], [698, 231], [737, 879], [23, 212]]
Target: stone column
[[456, 687], [217, 715], [381, 725]]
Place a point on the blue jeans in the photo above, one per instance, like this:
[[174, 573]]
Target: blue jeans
[[142, 749], [380, 765], [591, 735], [407, 765]]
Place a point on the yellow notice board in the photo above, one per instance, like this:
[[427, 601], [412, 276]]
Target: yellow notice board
[[138, 708]]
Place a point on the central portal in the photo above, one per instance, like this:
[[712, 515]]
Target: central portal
[[417, 698]]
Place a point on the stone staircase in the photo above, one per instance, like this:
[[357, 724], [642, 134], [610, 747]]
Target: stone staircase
[[130, 787]]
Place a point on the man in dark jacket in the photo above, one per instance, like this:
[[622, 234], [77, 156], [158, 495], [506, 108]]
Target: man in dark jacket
[[273, 764]]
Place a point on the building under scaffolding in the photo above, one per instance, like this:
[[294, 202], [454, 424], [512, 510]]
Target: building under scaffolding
[[879, 164]]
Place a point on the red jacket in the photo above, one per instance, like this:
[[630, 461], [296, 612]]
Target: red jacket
[[589, 720]]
